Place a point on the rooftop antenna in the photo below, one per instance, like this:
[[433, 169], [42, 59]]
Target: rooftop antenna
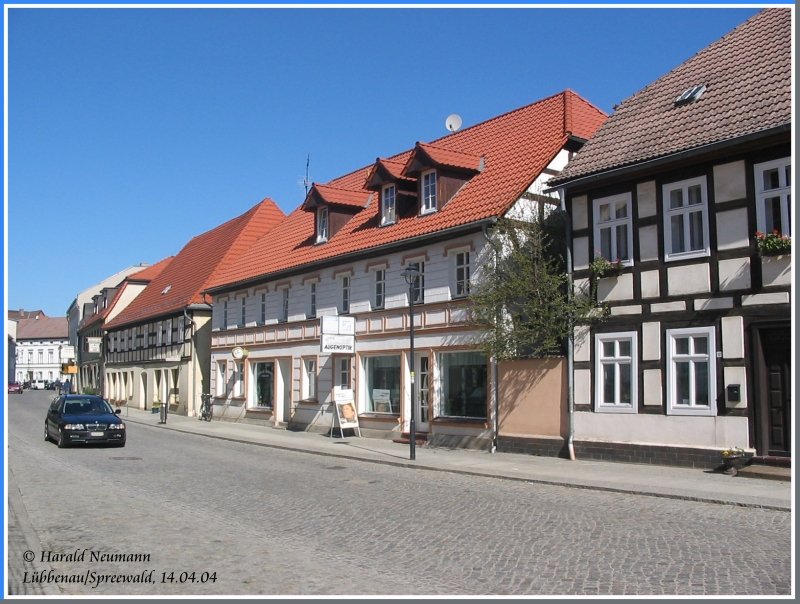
[[305, 180], [453, 122]]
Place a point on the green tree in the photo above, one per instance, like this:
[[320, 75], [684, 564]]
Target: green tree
[[522, 290]]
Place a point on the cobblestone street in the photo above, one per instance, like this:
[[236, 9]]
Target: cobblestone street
[[266, 521]]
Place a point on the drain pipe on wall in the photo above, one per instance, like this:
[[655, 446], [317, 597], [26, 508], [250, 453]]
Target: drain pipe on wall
[[571, 335]]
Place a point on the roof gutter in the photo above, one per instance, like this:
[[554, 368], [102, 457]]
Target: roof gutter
[[666, 159], [398, 245]]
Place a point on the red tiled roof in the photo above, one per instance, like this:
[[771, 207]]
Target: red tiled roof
[[199, 263], [748, 78], [336, 196], [443, 157], [43, 328], [516, 146], [143, 276], [392, 169]]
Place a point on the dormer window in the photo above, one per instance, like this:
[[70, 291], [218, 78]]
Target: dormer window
[[322, 224], [428, 193], [388, 198]]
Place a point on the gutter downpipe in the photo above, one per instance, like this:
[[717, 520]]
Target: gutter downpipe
[[571, 335], [495, 372]]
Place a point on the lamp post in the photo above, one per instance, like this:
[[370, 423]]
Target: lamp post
[[411, 274]]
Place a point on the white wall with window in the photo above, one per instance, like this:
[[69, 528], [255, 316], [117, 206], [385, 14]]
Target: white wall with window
[[462, 272], [222, 378], [379, 288], [685, 219], [691, 371], [309, 379], [613, 231], [773, 180], [616, 371], [262, 385]]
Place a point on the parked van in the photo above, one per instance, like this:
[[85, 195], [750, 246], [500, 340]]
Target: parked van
[[38, 385]]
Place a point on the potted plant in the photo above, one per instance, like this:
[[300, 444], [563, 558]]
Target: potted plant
[[773, 244], [602, 267], [733, 459]]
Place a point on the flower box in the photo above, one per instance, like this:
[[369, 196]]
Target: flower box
[[776, 270]]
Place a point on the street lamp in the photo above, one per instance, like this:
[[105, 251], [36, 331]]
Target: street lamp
[[411, 274]]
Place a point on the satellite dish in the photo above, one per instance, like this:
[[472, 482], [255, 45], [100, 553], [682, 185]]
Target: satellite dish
[[453, 122]]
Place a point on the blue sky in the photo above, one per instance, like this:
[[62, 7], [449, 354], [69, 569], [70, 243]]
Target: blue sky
[[132, 130]]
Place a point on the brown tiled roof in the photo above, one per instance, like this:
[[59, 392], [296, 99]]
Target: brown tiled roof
[[16, 315], [43, 328], [179, 284], [143, 276], [516, 147], [747, 75]]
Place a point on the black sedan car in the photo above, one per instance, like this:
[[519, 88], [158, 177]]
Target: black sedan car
[[83, 419]]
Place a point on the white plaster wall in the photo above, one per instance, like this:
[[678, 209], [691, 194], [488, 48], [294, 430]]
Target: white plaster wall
[[734, 274], [735, 375], [732, 229], [580, 253], [730, 181], [776, 270], [580, 216], [672, 430], [651, 341], [652, 387], [612, 289], [688, 279], [648, 242], [583, 386], [650, 284], [582, 350], [646, 198]]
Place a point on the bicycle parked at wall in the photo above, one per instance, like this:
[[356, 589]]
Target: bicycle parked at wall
[[206, 408]]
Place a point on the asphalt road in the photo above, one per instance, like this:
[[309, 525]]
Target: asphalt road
[[211, 517]]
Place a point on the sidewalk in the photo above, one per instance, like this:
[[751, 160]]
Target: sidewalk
[[659, 481]]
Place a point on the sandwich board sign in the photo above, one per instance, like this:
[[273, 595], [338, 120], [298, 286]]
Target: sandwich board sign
[[345, 411]]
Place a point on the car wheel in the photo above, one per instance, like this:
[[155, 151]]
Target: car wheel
[[61, 442], [46, 433]]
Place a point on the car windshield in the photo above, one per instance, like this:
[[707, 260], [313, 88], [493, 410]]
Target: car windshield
[[86, 406]]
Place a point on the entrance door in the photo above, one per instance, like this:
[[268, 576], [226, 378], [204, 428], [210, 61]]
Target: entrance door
[[423, 394], [775, 393]]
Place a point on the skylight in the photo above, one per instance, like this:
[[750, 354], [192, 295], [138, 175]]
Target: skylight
[[166, 289], [690, 94]]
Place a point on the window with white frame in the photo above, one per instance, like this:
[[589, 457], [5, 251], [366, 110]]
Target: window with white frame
[[264, 378], [344, 373], [686, 219], [263, 317], [428, 193], [418, 285], [243, 313], [774, 196], [344, 307], [283, 316], [615, 371], [224, 315], [461, 274], [388, 200], [613, 233], [379, 295], [309, 379], [222, 378], [312, 299], [691, 373], [322, 225]]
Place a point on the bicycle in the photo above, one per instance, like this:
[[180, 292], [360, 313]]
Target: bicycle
[[206, 408]]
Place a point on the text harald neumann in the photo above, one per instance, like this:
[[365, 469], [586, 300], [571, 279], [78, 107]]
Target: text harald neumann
[[90, 555]]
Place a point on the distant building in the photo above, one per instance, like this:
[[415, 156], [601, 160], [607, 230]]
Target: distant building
[[38, 348], [157, 348], [106, 305]]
